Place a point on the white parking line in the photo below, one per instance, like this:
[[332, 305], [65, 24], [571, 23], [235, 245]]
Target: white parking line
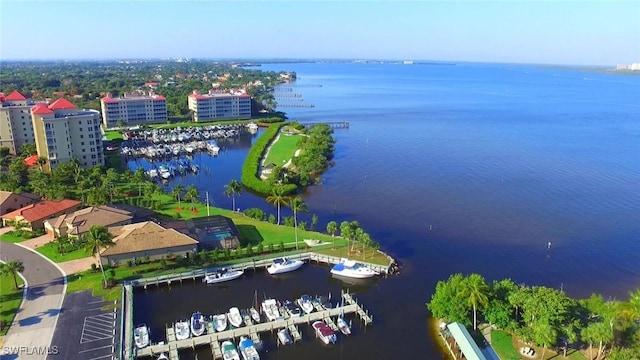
[[96, 302], [102, 357], [94, 349]]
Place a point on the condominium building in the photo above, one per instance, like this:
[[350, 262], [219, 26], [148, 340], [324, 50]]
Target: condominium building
[[15, 121], [134, 109], [62, 132], [219, 105]]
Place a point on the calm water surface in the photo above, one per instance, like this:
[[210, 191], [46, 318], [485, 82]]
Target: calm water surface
[[452, 168]]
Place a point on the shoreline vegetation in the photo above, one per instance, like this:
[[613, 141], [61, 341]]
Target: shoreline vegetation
[[539, 318]]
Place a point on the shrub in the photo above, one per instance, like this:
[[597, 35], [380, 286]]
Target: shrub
[[272, 219], [255, 213], [94, 267]]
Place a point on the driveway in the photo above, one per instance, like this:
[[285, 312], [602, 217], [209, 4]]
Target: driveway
[[30, 334]]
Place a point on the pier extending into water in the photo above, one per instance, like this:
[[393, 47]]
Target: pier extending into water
[[331, 124], [213, 339]]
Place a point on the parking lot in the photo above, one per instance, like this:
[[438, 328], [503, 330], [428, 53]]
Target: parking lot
[[85, 331]]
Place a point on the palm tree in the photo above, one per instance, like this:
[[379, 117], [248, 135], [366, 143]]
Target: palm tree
[[192, 195], [97, 238], [332, 228], [12, 268], [476, 292], [297, 205], [139, 176], [278, 199], [346, 233], [232, 189], [177, 192]]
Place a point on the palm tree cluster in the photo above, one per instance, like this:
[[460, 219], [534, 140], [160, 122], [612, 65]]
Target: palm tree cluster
[[12, 268], [542, 315]]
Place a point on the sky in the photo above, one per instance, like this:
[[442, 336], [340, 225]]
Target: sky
[[603, 33]]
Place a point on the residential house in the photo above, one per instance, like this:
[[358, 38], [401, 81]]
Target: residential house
[[10, 201], [211, 231], [35, 215], [78, 223]]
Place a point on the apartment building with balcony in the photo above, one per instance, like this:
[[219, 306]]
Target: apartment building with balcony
[[15, 121], [219, 105], [134, 109], [62, 132]]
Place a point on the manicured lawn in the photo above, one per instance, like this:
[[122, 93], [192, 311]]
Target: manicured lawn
[[113, 135], [502, 343], [10, 299], [50, 250], [11, 237], [283, 149]]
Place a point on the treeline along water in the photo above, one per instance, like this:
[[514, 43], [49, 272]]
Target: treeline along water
[[457, 168]]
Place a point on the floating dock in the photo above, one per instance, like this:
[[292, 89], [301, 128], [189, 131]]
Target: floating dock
[[213, 339]]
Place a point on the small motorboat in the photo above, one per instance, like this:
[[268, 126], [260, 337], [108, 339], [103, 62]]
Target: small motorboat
[[284, 337], [343, 326], [305, 304], [141, 336], [229, 351], [292, 309], [182, 329], [248, 349], [235, 318], [197, 324], [324, 332], [270, 309], [163, 356], [282, 265], [220, 322], [255, 315], [352, 269], [222, 275]]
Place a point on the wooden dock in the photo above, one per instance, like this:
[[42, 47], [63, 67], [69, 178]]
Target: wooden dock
[[171, 346]]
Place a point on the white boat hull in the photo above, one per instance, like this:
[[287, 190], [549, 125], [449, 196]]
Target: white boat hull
[[217, 277], [290, 265]]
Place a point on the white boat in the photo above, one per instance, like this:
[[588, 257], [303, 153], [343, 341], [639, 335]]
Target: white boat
[[234, 316], [343, 326], [352, 269], [270, 309], [248, 349], [284, 337], [163, 356], [305, 304], [229, 351], [292, 309], [324, 332], [220, 322], [222, 275], [141, 336], [255, 315], [252, 126], [182, 329], [153, 173], [282, 265], [197, 324]]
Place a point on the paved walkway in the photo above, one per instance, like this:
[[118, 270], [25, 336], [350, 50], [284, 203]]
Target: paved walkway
[[76, 266], [37, 241], [32, 329]]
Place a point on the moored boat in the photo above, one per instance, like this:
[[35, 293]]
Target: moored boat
[[141, 336], [343, 326], [255, 315], [324, 332], [305, 304], [284, 337], [197, 324], [182, 329], [229, 351], [270, 309], [292, 309], [222, 275], [282, 265], [220, 322], [248, 349], [234, 316], [352, 269]]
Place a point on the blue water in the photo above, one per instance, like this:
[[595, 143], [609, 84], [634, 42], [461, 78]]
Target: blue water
[[523, 172]]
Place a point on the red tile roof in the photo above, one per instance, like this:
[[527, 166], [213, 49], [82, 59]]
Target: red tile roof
[[62, 103], [42, 210], [31, 160], [15, 96], [41, 109], [108, 99]]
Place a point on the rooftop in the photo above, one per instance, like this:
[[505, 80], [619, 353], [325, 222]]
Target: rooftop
[[62, 103], [42, 210], [140, 237], [109, 99], [15, 96], [4, 195], [82, 220]]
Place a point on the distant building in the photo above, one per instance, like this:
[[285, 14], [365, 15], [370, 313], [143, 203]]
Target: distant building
[[134, 109], [62, 132], [220, 106], [634, 66], [15, 121], [11, 201]]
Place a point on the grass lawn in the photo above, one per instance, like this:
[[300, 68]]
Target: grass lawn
[[9, 301], [502, 343], [11, 237], [50, 250], [113, 135], [283, 149]]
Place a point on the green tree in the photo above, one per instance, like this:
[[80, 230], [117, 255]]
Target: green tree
[[232, 189], [297, 205], [177, 192], [332, 229], [476, 291], [139, 177], [346, 232], [42, 161], [498, 310], [277, 198], [97, 238], [445, 302], [192, 194], [27, 150], [12, 268]]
